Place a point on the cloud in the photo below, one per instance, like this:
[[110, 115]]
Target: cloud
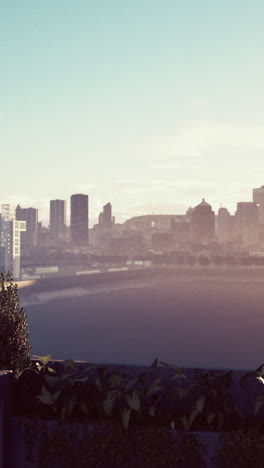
[[82, 188], [132, 186], [196, 139]]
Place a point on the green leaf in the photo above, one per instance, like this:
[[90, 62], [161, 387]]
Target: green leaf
[[43, 359], [108, 404], [50, 380], [69, 363], [185, 423], [260, 370], [246, 377], [82, 379], [133, 401], [46, 397], [39, 366], [89, 368], [52, 371], [157, 380], [260, 379], [153, 388], [99, 384], [179, 374], [115, 380], [200, 404], [130, 384], [155, 363], [210, 417], [171, 365], [258, 403], [125, 417]]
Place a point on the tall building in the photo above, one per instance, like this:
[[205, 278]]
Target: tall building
[[10, 239], [30, 215], [202, 223], [258, 197], [105, 218], [58, 218], [246, 222], [79, 220], [224, 225]]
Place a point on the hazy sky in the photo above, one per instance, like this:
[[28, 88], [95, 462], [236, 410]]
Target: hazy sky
[[149, 104]]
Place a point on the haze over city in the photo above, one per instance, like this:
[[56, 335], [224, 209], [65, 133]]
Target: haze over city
[[161, 102], [124, 127]]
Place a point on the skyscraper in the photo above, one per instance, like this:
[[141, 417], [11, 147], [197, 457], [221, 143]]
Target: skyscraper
[[105, 217], [30, 215], [58, 218], [202, 223], [224, 225], [258, 197], [246, 222], [10, 241], [79, 220]]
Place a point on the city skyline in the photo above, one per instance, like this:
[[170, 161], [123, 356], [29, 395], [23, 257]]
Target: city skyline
[[162, 103], [107, 208]]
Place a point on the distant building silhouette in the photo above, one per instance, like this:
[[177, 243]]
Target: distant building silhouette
[[79, 220], [246, 222], [149, 222], [202, 223], [30, 215], [105, 217], [181, 228], [58, 218], [258, 197], [224, 225]]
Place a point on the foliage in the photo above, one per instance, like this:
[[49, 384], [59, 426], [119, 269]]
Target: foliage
[[14, 335], [60, 389], [135, 411], [203, 403], [203, 260], [257, 374]]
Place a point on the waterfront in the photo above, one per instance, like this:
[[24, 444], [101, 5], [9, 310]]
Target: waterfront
[[204, 319]]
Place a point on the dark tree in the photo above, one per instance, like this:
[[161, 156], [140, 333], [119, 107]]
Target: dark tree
[[14, 335]]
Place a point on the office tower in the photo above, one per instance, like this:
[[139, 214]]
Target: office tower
[[258, 197], [58, 218], [10, 239], [224, 225], [246, 222], [30, 215], [107, 212], [79, 220], [105, 217], [180, 228], [202, 223]]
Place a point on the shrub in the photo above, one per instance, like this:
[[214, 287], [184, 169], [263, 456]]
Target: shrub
[[14, 335]]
